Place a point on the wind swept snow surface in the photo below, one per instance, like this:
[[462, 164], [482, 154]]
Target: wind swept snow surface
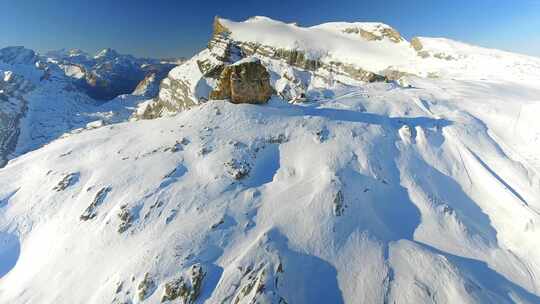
[[412, 201]]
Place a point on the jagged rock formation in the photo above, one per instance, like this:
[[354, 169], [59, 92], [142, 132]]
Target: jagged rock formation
[[246, 81], [149, 86]]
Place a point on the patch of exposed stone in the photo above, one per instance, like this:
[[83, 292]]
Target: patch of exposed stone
[[91, 211], [237, 169], [186, 288], [259, 284], [146, 287], [393, 75], [380, 33], [444, 56], [126, 218], [148, 87], [338, 204], [68, 180], [417, 45]]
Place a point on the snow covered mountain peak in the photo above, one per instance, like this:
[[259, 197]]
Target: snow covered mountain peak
[[405, 173], [17, 55], [106, 53]]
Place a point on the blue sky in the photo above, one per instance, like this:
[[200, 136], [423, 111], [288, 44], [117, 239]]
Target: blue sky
[[168, 28]]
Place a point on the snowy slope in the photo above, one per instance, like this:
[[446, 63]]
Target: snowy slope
[[424, 190]]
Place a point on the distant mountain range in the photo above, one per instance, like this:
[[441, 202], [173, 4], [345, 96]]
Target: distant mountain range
[[108, 73]]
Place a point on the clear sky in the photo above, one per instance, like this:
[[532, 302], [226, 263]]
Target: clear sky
[[168, 28]]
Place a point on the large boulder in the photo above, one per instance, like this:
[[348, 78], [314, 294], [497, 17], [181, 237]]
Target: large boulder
[[246, 81]]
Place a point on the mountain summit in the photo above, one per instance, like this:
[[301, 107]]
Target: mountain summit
[[338, 163]]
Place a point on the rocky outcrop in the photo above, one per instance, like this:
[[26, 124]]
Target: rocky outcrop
[[67, 181], [246, 81], [417, 45], [222, 52], [148, 87], [175, 95], [91, 211], [146, 287], [185, 289], [377, 33], [126, 218]]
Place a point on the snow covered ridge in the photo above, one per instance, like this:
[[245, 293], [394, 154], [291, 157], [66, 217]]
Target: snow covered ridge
[[374, 47], [302, 58]]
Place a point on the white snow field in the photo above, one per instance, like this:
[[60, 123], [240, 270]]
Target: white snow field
[[425, 190]]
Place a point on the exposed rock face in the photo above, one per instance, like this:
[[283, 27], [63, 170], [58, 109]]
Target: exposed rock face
[[187, 289], [148, 87], [146, 287], [222, 52], [12, 108], [417, 45], [175, 95], [67, 181], [379, 32], [298, 59], [125, 217], [247, 81], [91, 211]]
